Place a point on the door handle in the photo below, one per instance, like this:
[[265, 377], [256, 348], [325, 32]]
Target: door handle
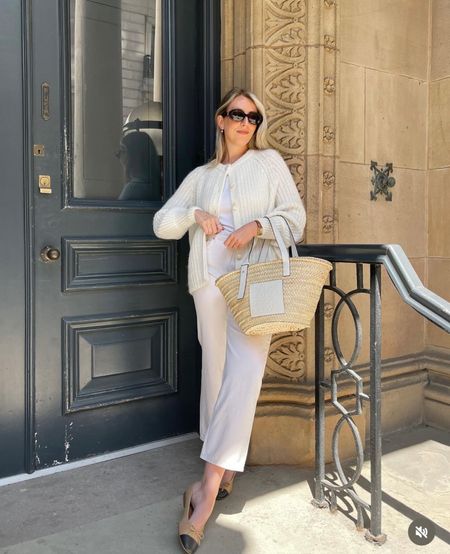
[[50, 254]]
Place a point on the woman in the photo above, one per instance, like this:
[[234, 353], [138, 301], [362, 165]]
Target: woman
[[224, 205], [139, 157]]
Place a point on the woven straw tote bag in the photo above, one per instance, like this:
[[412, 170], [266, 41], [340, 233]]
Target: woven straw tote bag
[[276, 296]]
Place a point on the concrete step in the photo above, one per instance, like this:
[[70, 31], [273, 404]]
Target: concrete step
[[132, 505]]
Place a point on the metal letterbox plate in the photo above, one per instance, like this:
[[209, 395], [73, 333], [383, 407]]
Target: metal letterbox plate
[[45, 184]]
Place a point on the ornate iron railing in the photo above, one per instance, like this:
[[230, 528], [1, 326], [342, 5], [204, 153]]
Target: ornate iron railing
[[412, 291]]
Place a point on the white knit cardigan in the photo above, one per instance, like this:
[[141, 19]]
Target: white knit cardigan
[[261, 185]]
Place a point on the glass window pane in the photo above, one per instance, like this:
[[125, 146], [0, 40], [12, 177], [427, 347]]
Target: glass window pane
[[116, 82]]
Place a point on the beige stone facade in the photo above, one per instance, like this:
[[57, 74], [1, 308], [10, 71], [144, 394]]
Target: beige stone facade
[[437, 408], [346, 82]]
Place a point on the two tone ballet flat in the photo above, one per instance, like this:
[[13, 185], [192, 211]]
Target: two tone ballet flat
[[190, 537], [225, 489]]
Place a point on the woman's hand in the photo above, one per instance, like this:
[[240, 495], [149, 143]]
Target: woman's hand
[[209, 223], [242, 236]]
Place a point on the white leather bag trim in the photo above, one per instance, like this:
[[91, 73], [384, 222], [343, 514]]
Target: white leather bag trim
[[284, 256], [242, 281], [283, 250], [266, 298], [291, 236]]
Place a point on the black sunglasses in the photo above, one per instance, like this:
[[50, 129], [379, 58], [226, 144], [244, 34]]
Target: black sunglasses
[[254, 118]]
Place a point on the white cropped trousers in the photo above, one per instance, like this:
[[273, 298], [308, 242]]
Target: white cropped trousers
[[232, 370]]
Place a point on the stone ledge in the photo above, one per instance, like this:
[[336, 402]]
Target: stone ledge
[[396, 372], [437, 391], [284, 431]]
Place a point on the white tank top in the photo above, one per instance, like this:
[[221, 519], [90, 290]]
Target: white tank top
[[220, 258], [226, 209]]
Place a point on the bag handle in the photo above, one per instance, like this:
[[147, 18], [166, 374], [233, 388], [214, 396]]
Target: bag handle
[[292, 246], [283, 250], [279, 240]]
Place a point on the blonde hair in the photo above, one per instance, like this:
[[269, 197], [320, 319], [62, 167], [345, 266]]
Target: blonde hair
[[258, 140]]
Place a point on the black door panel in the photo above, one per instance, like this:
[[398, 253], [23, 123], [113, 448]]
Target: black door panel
[[116, 357]]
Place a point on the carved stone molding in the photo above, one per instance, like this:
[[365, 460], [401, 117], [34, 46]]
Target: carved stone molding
[[284, 62], [328, 179], [287, 356], [297, 168], [330, 42], [328, 310], [328, 355], [284, 59], [288, 134], [328, 134], [327, 223], [329, 85]]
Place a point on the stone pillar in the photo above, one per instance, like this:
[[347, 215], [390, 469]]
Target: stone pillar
[[285, 51]]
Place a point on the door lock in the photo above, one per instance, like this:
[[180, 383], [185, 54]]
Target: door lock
[[50, 254], [38, 150]]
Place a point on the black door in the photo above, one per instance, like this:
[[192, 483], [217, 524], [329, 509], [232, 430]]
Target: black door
[[119, 115]]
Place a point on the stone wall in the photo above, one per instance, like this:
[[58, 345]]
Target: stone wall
[[345, 83], [437, 393], [384, 61], [394, 107]]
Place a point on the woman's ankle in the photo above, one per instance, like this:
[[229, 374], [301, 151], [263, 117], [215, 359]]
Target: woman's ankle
[[203, 506], [204, 492], [228, 476]]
